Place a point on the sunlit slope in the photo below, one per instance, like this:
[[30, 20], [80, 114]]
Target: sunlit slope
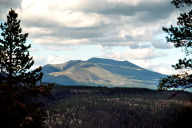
[[100, 72], [126, 68]]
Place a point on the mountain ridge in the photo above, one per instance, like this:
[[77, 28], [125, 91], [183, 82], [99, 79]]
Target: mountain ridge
[[101, 72]]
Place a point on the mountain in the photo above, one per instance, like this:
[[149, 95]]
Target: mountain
[[101, 72]]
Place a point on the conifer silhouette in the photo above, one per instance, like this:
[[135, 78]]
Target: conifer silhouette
[[19, 86], [180, 36]]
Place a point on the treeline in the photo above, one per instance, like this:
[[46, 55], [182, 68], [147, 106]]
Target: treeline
[[85, 107]]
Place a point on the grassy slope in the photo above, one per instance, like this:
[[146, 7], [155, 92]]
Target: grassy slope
[[89, 73], [113, 73]]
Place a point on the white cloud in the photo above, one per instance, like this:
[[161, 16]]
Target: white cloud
[[57, 12], [34, 67], [104, 48], [36, 31], [135, 54], [50, 59], [164, 69], [141, 53], [53, 59], [144, 63], [85, 19], [59, 48], [115, 56], [57, 41], [62, 24], [39, 60]]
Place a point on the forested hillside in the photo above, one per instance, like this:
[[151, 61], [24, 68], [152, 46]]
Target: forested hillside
[[100, 107]]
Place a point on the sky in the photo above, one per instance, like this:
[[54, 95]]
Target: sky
[[125, 30]]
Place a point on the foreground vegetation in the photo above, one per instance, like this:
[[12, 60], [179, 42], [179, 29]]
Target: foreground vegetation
[[99, 107]]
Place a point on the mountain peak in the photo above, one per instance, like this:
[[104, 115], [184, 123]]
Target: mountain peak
[[101, 72], [113, 62]]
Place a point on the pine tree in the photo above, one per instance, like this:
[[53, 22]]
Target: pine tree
[[20, 87], [180, 36], [179, 3]]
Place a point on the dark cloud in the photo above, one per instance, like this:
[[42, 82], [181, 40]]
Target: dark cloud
[[120, 16], [146, 11], [8, 4], [78, 34], [71, 33], [128, 37], [150, 11], [56, 26]]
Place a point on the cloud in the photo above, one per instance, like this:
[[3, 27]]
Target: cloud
[[115, 56], [60, 42], [145, 11], [160, 44], [104, 48], [6, 5], [62, 24], [141, 53], [102, 22], [164, 69], [145, 53], [50, 59], [160, 68], [144, 63], [59, 48], [54, 59], [39, 60]]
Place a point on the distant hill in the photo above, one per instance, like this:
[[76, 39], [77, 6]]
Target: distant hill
[[101, 72]]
